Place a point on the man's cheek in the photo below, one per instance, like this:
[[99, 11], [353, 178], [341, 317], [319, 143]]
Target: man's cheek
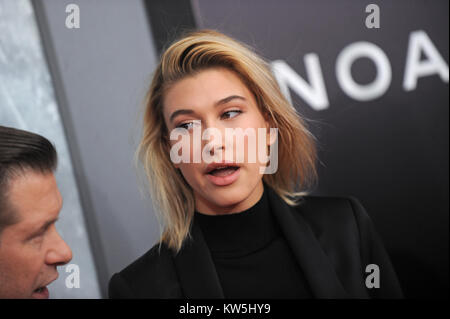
[[31, 266]]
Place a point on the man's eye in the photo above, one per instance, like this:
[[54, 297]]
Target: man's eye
[[37, 238], [235, 112]]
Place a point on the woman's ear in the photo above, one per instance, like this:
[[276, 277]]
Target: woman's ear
[[270, 138], [167, 146], [267, 133], [266, 122]]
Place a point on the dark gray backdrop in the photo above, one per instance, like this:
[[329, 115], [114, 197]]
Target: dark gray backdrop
[[391, 151]]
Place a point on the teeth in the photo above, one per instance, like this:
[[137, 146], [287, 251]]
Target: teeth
[[222, 167]]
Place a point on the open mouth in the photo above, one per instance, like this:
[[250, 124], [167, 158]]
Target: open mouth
[[224, 171], [40, 293], [223, 176]]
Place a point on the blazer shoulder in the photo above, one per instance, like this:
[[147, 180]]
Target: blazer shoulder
[[150, 276], [156, 257], [332, 213], [348, 236]]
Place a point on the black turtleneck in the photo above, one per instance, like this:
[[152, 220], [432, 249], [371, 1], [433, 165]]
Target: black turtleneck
[[252, 258]]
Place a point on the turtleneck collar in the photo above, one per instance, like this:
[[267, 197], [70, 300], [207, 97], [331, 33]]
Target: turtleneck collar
[[239, 234]]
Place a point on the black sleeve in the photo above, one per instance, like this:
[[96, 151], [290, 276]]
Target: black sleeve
[[118, 288], [374, 252]]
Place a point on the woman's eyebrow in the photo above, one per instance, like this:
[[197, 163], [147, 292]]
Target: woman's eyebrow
[[220, 102], [228, 99]]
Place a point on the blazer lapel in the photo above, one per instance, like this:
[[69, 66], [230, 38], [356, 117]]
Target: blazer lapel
[[195, 268], [315, 264], [198, 276]]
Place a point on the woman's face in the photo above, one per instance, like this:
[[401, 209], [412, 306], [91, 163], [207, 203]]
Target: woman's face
[[217, 98]]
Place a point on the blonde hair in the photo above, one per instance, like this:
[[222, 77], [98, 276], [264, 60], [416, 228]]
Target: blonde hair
[[171, 195]]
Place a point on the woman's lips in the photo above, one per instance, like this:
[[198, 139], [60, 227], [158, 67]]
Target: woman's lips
[[41, 293], [224, 180]]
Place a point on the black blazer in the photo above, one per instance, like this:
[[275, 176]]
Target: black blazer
[[332, 238]]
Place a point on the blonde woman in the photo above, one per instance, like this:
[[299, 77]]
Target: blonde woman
[[232, 227]]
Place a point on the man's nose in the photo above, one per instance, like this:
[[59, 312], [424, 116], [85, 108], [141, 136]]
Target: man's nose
[[59, 253]]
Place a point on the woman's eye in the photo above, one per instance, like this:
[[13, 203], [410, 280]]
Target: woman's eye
[[185, 125], [232, 113], [228, 114]]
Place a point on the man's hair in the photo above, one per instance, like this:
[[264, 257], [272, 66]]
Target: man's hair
[[21, 151]]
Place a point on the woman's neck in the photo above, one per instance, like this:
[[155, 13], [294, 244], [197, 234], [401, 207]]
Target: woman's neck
[[206, 207]]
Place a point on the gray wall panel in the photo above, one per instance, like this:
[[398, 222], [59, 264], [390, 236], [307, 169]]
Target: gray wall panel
[[27, 101], [104, 69]]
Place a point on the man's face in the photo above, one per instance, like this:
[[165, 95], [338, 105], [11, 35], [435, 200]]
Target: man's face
[[31, 249]]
